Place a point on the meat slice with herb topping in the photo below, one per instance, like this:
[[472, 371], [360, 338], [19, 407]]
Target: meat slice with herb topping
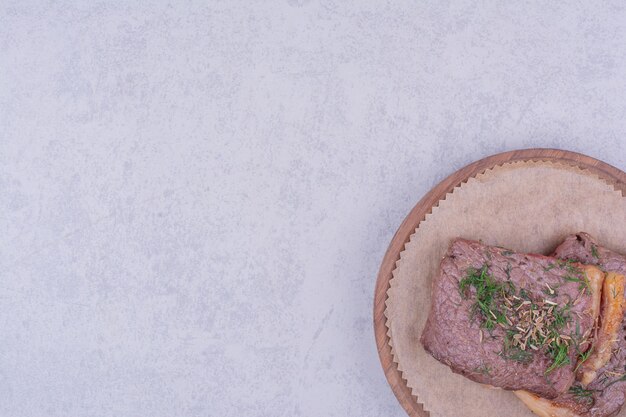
[[511, 320], [601, 387]]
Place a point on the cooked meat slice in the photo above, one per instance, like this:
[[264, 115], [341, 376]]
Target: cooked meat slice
[[579, 400], [610, 321], [510, 320], [605, 392], [596, 280], [582, 248], [545, 408]]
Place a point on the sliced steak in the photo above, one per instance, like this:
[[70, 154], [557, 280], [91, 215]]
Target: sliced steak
[[586, 397], [606, 394], [510, 320], [583, 248]]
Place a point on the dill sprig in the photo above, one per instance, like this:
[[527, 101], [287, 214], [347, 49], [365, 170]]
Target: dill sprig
[[569, 265], [582, 280], [583, 357], [582, 394], [483, 369], [559, 353], [557, 345], [487, 291], [513, 352], [594, 251], [549, 267], [561, 316]]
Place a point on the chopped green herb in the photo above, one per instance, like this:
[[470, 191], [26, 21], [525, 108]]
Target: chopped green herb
[[559, 355], [514, 353], [557, 349], [572, 279], [561, 315], [571, 268], [594, 251], [549, 267], [524, 294], [483, 369], [583, 281], [487, 290], [569, 265], [517, 354], [583, 357], [582, 394], [507, 252]]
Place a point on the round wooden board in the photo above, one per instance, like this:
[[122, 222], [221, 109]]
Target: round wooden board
[[605, 171]]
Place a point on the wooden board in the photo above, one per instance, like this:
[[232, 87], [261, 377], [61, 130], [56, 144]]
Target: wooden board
[[605, 171]]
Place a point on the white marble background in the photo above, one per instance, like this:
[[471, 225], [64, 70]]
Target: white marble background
[[195, 196]]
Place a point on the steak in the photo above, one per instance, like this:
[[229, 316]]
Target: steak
[[511, 320], [606, 395], [583, 248]]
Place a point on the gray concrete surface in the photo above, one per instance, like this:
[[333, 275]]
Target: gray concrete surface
[[195, 196]]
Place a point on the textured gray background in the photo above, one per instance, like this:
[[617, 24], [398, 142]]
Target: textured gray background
[[195, 197]]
